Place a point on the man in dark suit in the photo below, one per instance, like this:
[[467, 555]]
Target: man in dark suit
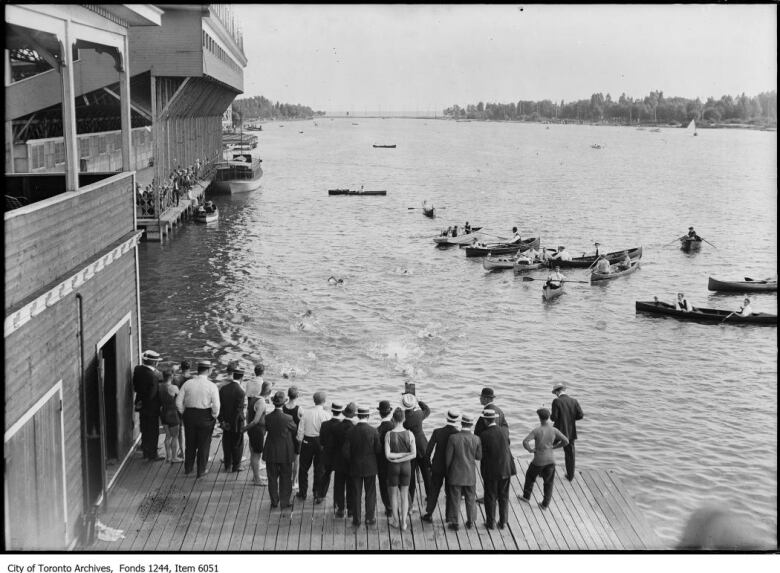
[[463, 451], [146, 379], [231, 420], [438, 447], [361, 448], [279, 452], [330, 453], [386, 411], [341, 479], [487, 399], [497, 468], [415, 412], [565, 412]]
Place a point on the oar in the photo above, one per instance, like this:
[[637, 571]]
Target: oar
[[727, 317], [706, 241], [677, 239], [526, 279]]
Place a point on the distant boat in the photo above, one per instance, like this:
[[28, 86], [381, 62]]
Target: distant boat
[[428, 210], [656, 130], [385, 146], [692, 127], [355, 192], [596, 146]]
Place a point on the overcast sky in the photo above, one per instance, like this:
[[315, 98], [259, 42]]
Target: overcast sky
[[413, 57]]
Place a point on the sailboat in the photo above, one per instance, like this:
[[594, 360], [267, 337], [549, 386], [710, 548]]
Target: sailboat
[[692, 127]]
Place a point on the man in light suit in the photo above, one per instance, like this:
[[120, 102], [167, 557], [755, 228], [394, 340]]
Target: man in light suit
[[497, 467], [463, 451], [279, 452], [565, 412]]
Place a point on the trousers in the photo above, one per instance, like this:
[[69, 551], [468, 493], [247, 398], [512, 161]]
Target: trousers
[[343, 491], [358, 483], [568, 452], [497, 492], [232, 448], [548, 475], [279, 482], [424, 466], [437, 481], [311, 453], [150, 433], [198, 427], [454, 493]]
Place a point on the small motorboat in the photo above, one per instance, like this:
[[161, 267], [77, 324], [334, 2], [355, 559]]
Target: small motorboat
[[748, 285], [613, 274], [706, 315], [550, 292], [207, 213]]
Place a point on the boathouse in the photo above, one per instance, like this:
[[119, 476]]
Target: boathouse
[[72, 310]]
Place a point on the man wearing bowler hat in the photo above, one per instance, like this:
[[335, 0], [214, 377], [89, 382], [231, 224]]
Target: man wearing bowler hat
[[565, 413], [386, 412], [487, 399], [231, 419], [330, 454], [146, 380], [438, 447], [497, 467], [361, 448], [198, 402], [279, 452], [463, 451], [415, 411], [546, 438]]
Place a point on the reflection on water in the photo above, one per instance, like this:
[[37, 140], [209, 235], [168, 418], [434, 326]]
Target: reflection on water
[[685, 413]]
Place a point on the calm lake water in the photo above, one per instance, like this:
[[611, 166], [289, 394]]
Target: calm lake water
[[685, 413]]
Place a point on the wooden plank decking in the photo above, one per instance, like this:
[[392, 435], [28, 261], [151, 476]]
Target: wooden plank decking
[[161, 509]]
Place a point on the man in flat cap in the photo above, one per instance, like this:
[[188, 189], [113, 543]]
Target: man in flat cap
[[565, 413], [231, 419], [386, 424], [146, 381], [198, 402], [330, 454], [309, 430], [361, 448], [279, 453], [497, 467], [463, 451], [415, 411], [437, 446], [546, 438]]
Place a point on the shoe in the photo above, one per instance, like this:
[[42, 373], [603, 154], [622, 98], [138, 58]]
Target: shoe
[[155, 459], [274, 505], [570, 478], [404, 527], [490, 525], [428, 518], [469, 524], [301, 496], [318, 500], [501, 525], [453, 526], [542, 505], [187, 472], [480, 500], [205, 473], [177, 460], [340, 513], [388, 513], [370, 521], [523, 499], [239, 469]]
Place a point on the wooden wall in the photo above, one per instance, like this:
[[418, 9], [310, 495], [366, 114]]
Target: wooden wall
[[171, 50]]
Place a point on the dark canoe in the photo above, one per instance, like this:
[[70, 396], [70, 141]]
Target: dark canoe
[[503, 248], [429, 212], [688, 244], [585, 262], [358, 192], [741, 286], [384, 146], [597, 277], [708, 315]]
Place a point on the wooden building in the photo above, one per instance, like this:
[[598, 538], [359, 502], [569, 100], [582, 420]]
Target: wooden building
[[72, 308]]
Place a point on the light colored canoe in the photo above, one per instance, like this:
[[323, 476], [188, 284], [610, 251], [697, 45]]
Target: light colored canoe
[[598, 277], [521, 267], [549, 294], [491, 263]]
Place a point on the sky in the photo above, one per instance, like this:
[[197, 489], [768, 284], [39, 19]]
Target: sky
[[429, 57]]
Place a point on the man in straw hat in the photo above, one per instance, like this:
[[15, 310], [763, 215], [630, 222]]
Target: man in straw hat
[[437, 446], [386, 424], [361, 448], [546, 438], [497, 467], [198, 402], [146, 380], [231, 419], [279, 452], [463, 451], [565, 413], [330, 454], [414, 413]]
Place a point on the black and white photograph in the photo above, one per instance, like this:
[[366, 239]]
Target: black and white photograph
[[388, 279]]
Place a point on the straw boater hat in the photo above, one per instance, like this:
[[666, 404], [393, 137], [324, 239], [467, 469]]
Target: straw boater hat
[[489, 414], [363, 411], [467, 420], [336, 408], [453, 417], [558, 386], [204, 364], [408, 401], [151, 356]]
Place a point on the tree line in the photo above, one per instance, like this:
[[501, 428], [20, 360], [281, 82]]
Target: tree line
[[259, 107], [654, 108]]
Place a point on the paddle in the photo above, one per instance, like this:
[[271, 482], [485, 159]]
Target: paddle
[[727, 317], [526, 279], [706, 241], [437, 208], [677, 239]]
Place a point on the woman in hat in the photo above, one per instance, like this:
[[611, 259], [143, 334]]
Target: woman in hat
[[400, 449]]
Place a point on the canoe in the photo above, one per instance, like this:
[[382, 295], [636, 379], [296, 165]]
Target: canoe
[[585, 262], [384, 146], [357, 192], [521, 267], [741, 286], [688, 244], [498, 262], [707, 315], [503, 248], [429, 212], [464, 239], [597, 277], [201, 216], [549, 294]]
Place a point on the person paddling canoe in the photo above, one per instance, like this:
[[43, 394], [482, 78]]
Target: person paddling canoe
[[745, 309], [555, 278]]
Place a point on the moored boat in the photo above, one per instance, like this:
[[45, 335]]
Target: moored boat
[[237, 176], [707, 315], [356, 192], [204, 216], [549, 292], [690, 244], [598, 277], [502, 248], [742, 286], [585, 262]]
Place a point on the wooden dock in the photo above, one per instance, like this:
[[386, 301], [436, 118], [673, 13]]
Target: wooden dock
[[160, 509]]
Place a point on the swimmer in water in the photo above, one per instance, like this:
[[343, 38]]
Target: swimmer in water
[[334, 281]]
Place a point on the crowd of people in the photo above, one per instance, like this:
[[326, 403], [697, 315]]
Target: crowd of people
[[171, 190], [339, 445]]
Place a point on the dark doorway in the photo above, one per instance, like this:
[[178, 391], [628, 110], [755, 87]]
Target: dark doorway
[[109, 399]]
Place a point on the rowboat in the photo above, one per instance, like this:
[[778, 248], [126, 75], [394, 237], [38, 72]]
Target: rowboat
[[742, 286], [203, 216], [585, 262], [429, 211], [597, 277], [498, 262], [464, 239], [357, 192], [709, 315], [503, 248], [384, 146], [549, 293], [523, 266], [690, 244]]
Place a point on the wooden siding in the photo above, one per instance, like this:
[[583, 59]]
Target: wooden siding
[[43, 244], [217, 69], [47, 348], [174, 49]]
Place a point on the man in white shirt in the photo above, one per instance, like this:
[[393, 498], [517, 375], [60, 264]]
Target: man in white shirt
[[198, 402], [603, 266], [311, 449], [556, 277], [516, 238], [745, 309]]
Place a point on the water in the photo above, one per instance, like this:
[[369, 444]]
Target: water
[[685, 413]]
